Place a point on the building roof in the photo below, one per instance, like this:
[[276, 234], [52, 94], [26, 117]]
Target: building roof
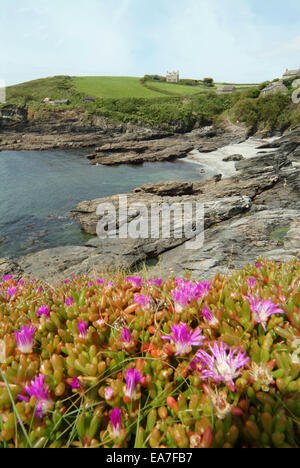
[[292, 72], [226, 89]]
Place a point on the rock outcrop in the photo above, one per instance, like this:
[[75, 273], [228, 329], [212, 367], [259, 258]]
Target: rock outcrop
[[242, 216]]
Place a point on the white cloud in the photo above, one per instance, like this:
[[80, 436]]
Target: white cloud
[[129, 37]]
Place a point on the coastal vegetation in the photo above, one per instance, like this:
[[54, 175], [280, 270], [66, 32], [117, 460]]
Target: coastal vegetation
[[135, 362], [152, 101]]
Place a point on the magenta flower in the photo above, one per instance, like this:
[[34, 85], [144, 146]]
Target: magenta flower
[[36, 389], [252, 282], [11, 291], [258, 265], [24, 339], [82, 328], [210, 317], [183, 338], [7, 278], [109, 285], [157, 282], [133, 378], [69, 302], [182, 296], [126, 336], [221, 366], [202, 289], [100, 281], [21, 283], [115, 419], [75, 383], [136, 281], [143, 300], [262, 310], [44, 311], [185, 292]]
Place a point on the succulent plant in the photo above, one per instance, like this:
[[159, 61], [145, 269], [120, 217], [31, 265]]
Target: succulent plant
[[150, 363]]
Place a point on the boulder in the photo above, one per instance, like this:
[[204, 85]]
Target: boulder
[[234, 157]]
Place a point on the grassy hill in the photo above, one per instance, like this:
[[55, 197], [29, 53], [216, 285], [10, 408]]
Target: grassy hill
[[154, 102], [106, 87]]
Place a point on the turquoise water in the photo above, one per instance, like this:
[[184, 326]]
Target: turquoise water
[[39, 188]]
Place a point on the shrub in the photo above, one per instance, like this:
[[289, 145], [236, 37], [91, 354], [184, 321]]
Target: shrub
[[245, 110], [209, 82], [271, 107], [288, 83]]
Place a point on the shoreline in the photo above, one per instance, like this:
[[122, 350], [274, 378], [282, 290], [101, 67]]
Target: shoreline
[[248, 149], [244, 211]]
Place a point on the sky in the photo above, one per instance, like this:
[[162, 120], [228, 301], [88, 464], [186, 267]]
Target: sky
[[245, 41]]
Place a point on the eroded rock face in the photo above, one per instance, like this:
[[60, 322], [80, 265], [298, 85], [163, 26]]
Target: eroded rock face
[[137, 151], [248, 184], [232, 244], [100, 256], [215, 210], [11, 115], [9, 267]]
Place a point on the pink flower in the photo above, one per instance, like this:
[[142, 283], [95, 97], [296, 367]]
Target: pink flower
[[75, 383], [210, 317], [11, 291], [82, 328], [100, 281], [7, 278], [115, 419], [136, 281], [220, 365], [202, 289], [143, 300], [126, 336], [252, 282], [44, 311], [185, 292], [69, 302], [24, 339], [36, 389], [133, 377], [262, 310], [183, 338], [157, 282], [258, 265]]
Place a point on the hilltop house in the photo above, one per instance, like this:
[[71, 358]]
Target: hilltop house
[[226, 89], [172, 77], [291, 74]]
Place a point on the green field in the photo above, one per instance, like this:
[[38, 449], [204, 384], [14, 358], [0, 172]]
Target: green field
[[176, 89], [114, 87], [106, 87]]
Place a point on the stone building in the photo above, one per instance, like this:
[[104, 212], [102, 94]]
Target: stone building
[[172, 77], [291, 74], [226, 89]]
